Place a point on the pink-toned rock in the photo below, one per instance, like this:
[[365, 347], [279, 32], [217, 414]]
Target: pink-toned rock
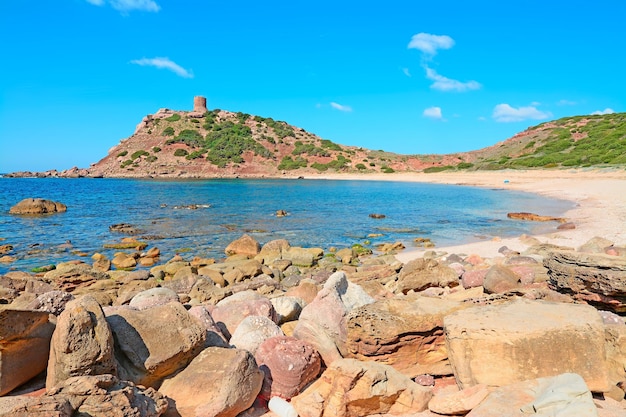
[[229, 312], [460, 402], [474, 259], [252, 331], [350, 388], [218, 382], [306, 290], [53, 302], [245, 245], [153, 297], [214, 336], [525, 273], [289, 365], [322, 323], [473, 278]]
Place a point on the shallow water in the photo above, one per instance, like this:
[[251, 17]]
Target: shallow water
[[322, 213]]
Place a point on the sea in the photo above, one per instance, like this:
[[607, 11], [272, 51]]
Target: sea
[[320, 213]]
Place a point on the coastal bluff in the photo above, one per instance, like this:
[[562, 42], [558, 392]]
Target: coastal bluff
[[278, 330]]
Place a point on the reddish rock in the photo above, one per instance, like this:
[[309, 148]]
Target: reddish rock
[[500, 279], [231, 311], [289, 365], [473, 278]]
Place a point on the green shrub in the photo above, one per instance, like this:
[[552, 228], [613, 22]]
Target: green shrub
[[126, 163], [168, 131], [189, 137], [330, 145], [123, 153], [309, 149], [173, 118], [151, 158], [287, 163], [180, 152], [387, 170], [464, 165], [228, 141], [138, 154], [156, 149], [318, 166], [360, 167], [438, 168], [196, 154], [195, 121]]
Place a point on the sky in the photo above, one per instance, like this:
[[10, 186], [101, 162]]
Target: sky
[[412, 77]]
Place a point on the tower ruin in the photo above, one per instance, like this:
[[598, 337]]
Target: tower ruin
[[199, 104]]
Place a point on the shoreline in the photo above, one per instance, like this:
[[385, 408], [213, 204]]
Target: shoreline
[[599, 195]]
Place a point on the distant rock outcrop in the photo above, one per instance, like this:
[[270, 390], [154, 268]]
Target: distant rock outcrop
[[37, 206]]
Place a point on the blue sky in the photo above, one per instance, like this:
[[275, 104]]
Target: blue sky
[[404, 76]]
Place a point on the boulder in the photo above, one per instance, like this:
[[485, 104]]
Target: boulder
[[252, 331], [122, 260], [288, 364], [153, 297], [598, 279], [245, 245], [305, 257], [82, 343], [350, 388], [154, 343], [560, 395], [52, 302], [287, 308], [405, 333], [70, 277], [35, 206], [419, 274], [214, 336], [229, 312], [459, 402], [272, 251], [522, 339], [500, 279], [322, 323], [473, 278], [218, 382], [24, 346]]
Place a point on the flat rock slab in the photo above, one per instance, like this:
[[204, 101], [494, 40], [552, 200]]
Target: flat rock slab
[[522, 339]]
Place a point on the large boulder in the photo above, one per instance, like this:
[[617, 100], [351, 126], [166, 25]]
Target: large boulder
[[406, 333], [252, 331], [34, 206], [231, 311], [218, 382], [289, 365], [245, 245], [422, 273], [323, 322], [71, 277], [82, 343], [351, 388], [154, 343], [560, 395], [24, 346], [596, 278], [522, 339]]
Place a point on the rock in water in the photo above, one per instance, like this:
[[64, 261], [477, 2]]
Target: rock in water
[[82, 343], [218, 382], [501, 344], [37, 206]]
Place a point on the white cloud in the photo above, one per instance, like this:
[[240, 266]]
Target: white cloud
[[406, 72], [433, 113], [126, 6], [506, 113], [566, 103], [163, 63], [429, 44], [447, 84], [601, 112], [340, 107]]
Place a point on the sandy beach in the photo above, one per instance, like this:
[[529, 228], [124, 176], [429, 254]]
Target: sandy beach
[[599, 197]]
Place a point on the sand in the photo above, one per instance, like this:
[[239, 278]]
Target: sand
[[599, 196]]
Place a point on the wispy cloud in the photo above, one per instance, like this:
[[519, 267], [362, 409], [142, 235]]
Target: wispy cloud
[[433, 113], [442, 83], [566, 103], [601, 112], [164, 63], [340, 107], [125, 6], [429, 44], [506, 113], [406, 72]]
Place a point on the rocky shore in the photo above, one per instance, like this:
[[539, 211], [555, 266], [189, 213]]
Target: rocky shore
[[278, 330]]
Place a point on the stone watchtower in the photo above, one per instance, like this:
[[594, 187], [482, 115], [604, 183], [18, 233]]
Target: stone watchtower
[[199, 104]]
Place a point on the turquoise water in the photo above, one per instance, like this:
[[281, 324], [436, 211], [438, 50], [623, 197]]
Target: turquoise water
[[321, 214]]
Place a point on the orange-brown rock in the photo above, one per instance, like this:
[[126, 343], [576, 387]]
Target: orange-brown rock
[[245, 245], [34, 206], [535, 217]]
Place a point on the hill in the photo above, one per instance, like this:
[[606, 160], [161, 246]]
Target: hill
[[217, 143]]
